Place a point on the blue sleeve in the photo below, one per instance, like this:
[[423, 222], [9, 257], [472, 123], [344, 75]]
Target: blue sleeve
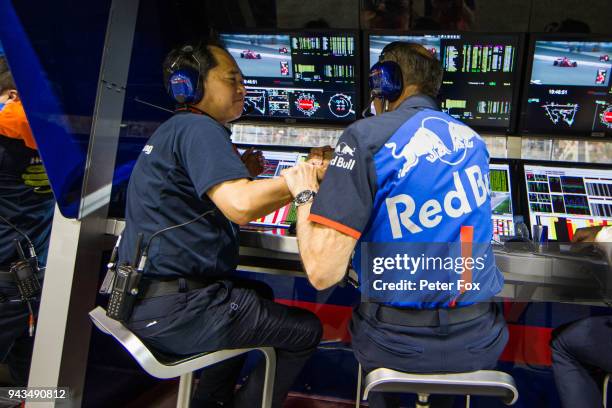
[[344, 201], [206, 152]]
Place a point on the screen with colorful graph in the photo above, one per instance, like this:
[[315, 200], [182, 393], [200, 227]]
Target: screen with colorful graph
[[502, 215], [275, 162], [564, 198]]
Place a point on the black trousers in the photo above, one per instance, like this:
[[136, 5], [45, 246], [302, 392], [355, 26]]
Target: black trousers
[[461, 347], [15, 343], [579, 351], [226, 315]]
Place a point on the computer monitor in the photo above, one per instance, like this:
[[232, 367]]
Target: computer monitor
[[569, 90], [567, 198], [298, 76], [275, 162], [481, 73], [502, 215]]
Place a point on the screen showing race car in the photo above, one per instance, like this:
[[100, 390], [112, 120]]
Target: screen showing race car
[[298, 76], [480, 73], [570, 89]]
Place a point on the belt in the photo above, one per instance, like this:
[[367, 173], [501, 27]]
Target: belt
[[423, 317], [151, 288], [8, 276]]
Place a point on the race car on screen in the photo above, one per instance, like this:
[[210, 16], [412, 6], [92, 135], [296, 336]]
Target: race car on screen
[[283, 50], [604, 58], [565, 62], [249, 54]]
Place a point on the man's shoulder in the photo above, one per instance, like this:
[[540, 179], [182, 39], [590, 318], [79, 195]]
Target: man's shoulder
[[376, 130]]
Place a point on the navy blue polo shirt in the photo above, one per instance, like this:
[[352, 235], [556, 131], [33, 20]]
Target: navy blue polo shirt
[[413, 179], [24, 206], [185, 157]]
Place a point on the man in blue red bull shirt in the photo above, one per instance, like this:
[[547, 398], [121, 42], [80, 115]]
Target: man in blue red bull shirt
[[408, 192]]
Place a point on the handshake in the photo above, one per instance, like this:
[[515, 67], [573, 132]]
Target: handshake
[[308, 174]]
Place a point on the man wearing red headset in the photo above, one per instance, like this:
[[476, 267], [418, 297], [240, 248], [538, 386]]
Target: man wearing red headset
[[407, 192]]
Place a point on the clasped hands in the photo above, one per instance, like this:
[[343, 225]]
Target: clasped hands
[[308, 174]]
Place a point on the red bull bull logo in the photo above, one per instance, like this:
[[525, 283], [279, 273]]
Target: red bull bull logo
[[427, 143]]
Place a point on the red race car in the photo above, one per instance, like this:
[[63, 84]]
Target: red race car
[[565, 62], [249, 54], [283, 50], [604, 58]]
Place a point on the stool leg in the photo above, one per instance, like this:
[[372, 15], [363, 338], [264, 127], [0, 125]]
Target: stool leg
[[268, 387], [358, 397], [605, 390], [184, 392], [422, 401]]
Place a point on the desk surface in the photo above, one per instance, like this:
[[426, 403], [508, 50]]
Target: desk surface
[[529, 276]]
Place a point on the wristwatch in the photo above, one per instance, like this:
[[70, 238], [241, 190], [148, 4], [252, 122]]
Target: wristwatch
[[303, 197]]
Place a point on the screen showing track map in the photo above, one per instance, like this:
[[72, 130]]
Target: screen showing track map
[[570, 88], [307, 76]]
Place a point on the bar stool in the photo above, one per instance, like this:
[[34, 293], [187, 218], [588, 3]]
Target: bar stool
[[483, 382], [162, 366]]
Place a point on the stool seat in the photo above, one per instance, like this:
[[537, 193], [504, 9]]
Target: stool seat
[[483, 383], [161, 365]]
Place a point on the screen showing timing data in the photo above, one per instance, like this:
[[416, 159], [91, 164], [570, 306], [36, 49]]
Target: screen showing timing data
[[306, 77], [502, 215], [569, 89], [565, 199], [479, 74]]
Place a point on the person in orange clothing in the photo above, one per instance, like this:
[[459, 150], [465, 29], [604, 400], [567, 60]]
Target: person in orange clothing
[[26, 211]]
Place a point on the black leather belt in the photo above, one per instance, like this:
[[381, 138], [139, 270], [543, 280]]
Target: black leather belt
[[6, 276], [151, 288], [423, 317]]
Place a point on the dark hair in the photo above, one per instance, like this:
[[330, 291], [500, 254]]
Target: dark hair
[[196, 57], [6, 78], [419, 67]]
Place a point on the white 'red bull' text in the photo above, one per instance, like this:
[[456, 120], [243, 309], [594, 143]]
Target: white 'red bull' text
[[455, 204]]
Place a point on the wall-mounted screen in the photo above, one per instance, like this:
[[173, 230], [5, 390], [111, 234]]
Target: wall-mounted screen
[[569, 90], [480, 73], [298, 76]]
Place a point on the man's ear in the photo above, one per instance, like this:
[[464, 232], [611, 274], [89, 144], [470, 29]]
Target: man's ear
[[13, 95]]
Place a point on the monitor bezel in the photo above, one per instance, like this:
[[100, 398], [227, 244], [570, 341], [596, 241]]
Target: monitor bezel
[[533, 37], [547, 163], [323, 31], [517, 77]]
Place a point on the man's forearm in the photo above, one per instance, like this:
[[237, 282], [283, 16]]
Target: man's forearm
[[264, 196], [325, 264]]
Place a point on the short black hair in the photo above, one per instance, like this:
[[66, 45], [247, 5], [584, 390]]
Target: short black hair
[[6, 78], [189, 56], [419, 66]]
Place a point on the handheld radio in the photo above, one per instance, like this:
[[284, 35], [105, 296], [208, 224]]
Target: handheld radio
[[24, 272], [125, 286]]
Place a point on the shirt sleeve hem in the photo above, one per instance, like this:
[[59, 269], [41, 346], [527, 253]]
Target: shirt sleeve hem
[[353, 233], [226, 177]]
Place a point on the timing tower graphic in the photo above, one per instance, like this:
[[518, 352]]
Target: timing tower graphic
[[561, 113]]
